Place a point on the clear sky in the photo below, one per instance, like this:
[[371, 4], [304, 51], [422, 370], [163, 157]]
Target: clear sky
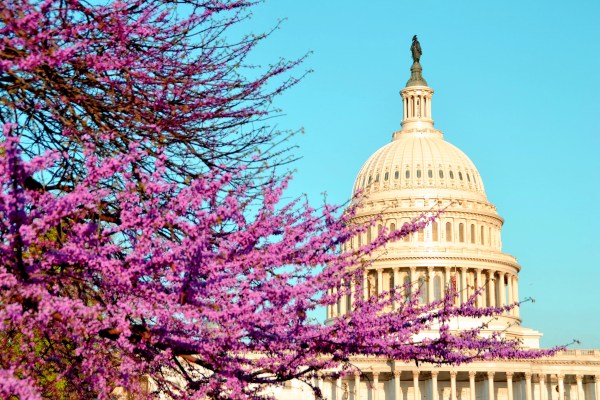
[[517, 88]]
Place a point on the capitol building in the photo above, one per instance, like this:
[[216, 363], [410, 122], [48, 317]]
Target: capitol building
[[420, 172]]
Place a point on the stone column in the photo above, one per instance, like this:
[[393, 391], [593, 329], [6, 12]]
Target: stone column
[[516, 294], [453, 385], [434, 385], [375, 395], [379, 281], [429, 284], [464, 293], [509, 385], [492, 287], [480, 302], [411, 278], [527, 385], [396, 385], [446, 278], [502, 288], [490, 385], [510, 299], [366, 284], [356, 385], [338, 388], [597, 387], [397, 285], [329, 307], [416, 395], [472, 394], [320, 382], [580, 393], [334, 309], [561, 386], [343, 306], [543, 391], [352, 294]]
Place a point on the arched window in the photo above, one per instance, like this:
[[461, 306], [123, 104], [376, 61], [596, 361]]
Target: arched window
[[437, 287], [434, 231], [407, 174], [359, 239], [421, 235], [473, 233], [451, 175], [369, 180], [441, 174], [460, 175], [482, 235], [429, 173], [407, 237], [418, 173], [392, 227], [396, 174], [369, 235], [386, 176], [489, 238], [379, 228], [461, 232], [448, 231]]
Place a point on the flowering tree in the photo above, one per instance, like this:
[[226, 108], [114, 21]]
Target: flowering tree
[[134, 242], [219, 308]]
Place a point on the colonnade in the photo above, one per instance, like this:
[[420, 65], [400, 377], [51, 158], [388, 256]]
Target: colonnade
[[500, 287], [439, 384]]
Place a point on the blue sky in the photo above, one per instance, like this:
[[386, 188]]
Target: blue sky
[[517, 88]]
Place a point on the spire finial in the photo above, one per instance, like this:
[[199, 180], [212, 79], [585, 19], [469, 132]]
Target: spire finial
[[416, 78]]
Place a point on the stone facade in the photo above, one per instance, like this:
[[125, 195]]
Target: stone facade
[[420, 172]]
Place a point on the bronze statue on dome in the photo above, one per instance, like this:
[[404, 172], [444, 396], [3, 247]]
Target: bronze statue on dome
[[415, 49]]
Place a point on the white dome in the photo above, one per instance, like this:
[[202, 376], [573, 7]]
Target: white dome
[[422, 161]]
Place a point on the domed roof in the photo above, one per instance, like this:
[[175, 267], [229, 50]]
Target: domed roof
[[420, 159]]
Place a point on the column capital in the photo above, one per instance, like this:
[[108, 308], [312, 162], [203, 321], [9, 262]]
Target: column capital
[[464, 269], [597, 378], [472, 374], [527, 375], [397, 373], [375, 374], [509, 375], [453, 374], [434, 374], [491, 374], [579, 377], [415, 373], [560, 376], [357, 373], [541, 377]]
